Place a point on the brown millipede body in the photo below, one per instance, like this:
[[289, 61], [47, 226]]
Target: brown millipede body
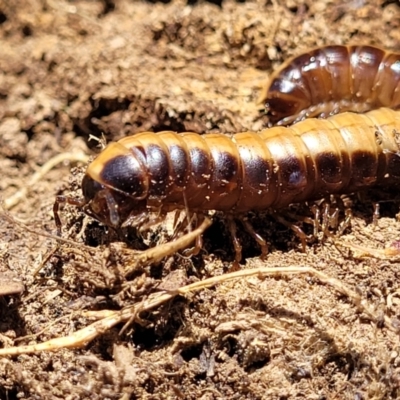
[[333, 79], [165, 171]]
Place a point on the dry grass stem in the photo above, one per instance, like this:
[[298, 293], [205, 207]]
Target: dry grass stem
[[83, 336]]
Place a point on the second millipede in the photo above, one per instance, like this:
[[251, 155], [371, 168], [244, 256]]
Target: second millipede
[[333, 79], [166, 171]]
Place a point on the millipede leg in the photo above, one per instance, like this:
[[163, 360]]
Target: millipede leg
[[179, 225], [325, 219], [334, 219], [329, 220], [376, 214], [198, 246], [151, 222], [136, 220], [346, 223], [184, 222], [258, 238], [236, 243], [176, 223], [317, 215], [296, 229]]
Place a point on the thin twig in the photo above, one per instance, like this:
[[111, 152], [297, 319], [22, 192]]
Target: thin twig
[[85, 335]]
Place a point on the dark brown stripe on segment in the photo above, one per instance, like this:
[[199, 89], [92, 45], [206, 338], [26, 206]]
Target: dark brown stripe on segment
[[124, 173], [256, 170], [226, 167], [158, 168], [293, 173], [364, 167], [394, 164], [329, 167], [200, 164], [179, 164]]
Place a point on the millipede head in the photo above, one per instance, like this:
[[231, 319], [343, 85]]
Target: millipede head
[[105, 204], [115, 188], [109, 206]]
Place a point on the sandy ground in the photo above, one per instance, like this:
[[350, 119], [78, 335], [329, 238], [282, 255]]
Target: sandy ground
[[73, 70]]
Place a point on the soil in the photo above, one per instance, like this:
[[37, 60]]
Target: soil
[[71, 71]]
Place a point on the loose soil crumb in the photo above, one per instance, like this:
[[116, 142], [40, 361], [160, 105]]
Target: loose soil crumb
[[74, 70]]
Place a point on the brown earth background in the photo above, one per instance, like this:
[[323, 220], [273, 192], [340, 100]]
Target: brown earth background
[[72, 70]]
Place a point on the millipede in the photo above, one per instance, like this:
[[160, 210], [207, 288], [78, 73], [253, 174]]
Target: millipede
[[155, 173], [333, 79]]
